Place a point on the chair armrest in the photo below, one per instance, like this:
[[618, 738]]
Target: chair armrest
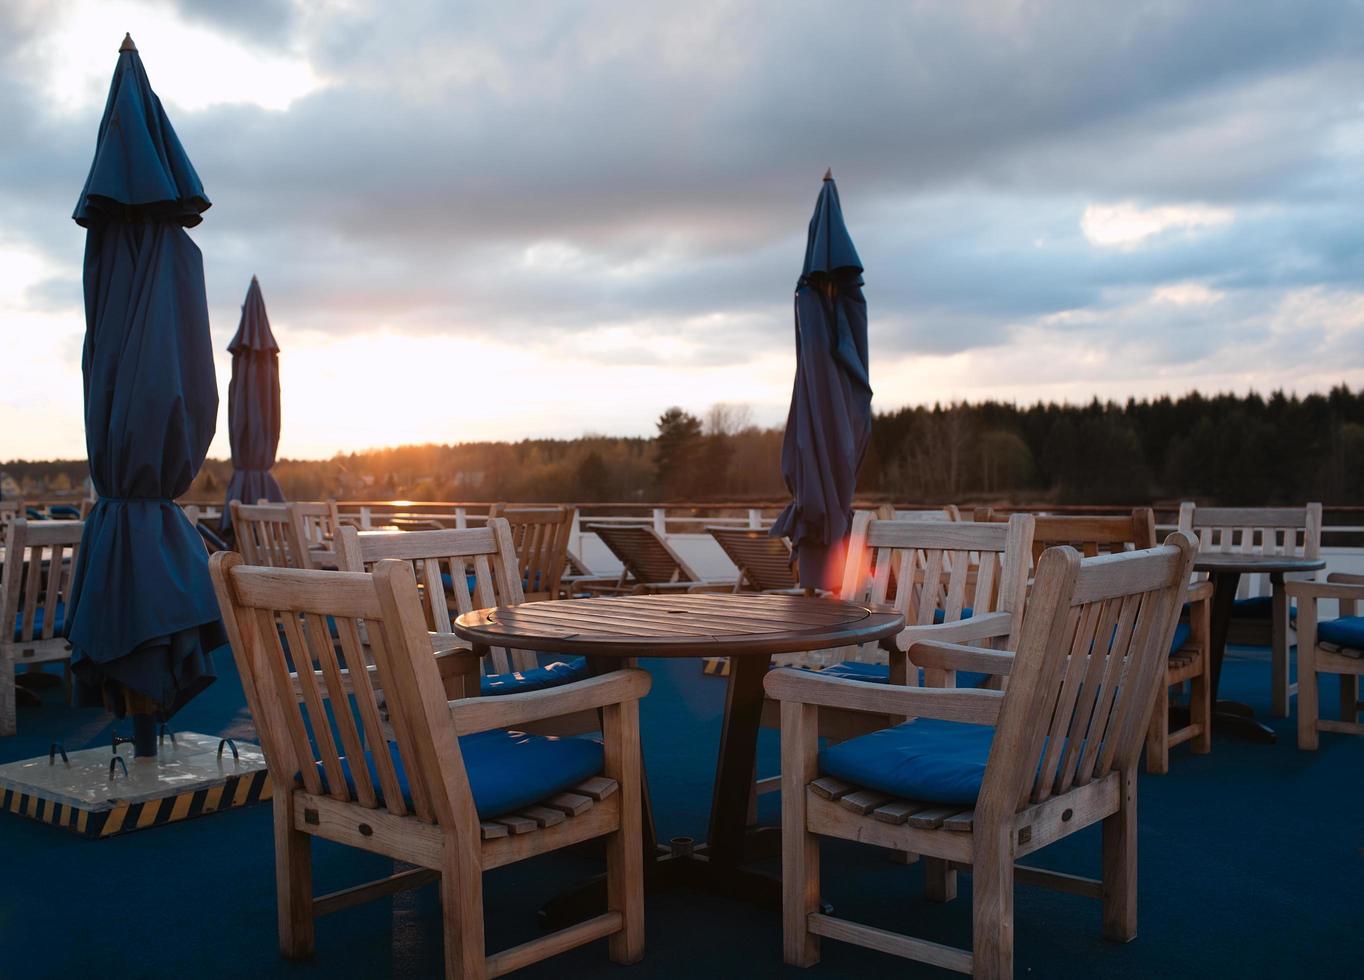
[[986, 626], [482, 714], [1330, 589], [975, 706], [1200, 591], [959, 656], [1345, 578]]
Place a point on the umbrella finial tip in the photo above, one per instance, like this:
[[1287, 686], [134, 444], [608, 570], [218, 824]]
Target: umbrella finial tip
[[829, 174], [127, 44]]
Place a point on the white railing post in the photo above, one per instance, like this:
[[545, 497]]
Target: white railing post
[[461, 518], [661, 522], [365, 524], [575, 534], [755, 518]]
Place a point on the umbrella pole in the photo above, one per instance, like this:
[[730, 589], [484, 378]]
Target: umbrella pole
[[144, 736]]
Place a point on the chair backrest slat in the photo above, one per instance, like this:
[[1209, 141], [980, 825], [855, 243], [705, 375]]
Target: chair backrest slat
[[1091, 653], [444, 562], [40, 560], [268, 534], [540, 536]]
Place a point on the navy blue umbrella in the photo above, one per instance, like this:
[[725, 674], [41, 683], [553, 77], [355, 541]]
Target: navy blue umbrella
[[253, 407], [143, 619], [829, 425]]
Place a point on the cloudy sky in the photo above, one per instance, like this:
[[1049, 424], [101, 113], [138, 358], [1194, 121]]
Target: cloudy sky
[[493, 220]]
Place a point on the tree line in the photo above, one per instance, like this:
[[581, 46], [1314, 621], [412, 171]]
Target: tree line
[[1225, 448]]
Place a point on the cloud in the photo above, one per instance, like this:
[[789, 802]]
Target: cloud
[[602, 175], [1127, 224]]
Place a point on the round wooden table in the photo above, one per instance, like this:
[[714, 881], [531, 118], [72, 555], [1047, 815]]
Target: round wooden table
[[748, 629], [1225, 570]]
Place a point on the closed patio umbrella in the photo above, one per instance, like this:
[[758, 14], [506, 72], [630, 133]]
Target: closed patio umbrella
[[253, 407], [829, 425], [143, 618]]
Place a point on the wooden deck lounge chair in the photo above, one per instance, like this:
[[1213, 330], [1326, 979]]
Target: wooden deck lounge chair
[[1261, 613], [1189, 660], [35, 587], [540, 536], [268, 534], [1011, 771], [1329, 646], [459, 571], [764, 562], [454, 794], [648, 563]]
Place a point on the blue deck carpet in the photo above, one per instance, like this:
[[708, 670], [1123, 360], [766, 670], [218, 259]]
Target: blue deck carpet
[[1251, 865]]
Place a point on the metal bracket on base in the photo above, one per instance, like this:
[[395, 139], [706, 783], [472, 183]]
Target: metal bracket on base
[[231, 745], [57, 749], [162, 732], [117, 762]]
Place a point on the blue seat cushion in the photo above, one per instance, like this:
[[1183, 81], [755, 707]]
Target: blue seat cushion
[[1182, 633], [880, 674], [930, 760], [507, 770], [537, 678], [38, 622], [1258, 607], [1347, 631], [472, 582], [939, 616]]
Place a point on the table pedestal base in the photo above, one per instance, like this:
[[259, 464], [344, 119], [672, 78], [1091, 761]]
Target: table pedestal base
[[1229, 718], [681, 864]]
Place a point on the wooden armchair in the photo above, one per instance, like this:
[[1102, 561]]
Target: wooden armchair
[[267, 534], [10, 510], [540, 536], [1261, 613], [764, 562], [454, 794], [1189, 661], [965, 583], [1002, 774], [648, 564], [317, 523], [1329, 646], [35, 587], [460, 571]]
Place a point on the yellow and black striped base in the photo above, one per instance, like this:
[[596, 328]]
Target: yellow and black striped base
[[187, 780], [715, 666], [124, 817]]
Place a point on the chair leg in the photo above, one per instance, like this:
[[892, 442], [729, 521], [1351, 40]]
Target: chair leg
[[992, 904], [9, 723], [1200, 706], [1349, 697], [625, 848], [799, 847], [1278, 658], [293, 881], [461, 906], [1158, 734], [940, 881], [1308, 704], [1120, 864]]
